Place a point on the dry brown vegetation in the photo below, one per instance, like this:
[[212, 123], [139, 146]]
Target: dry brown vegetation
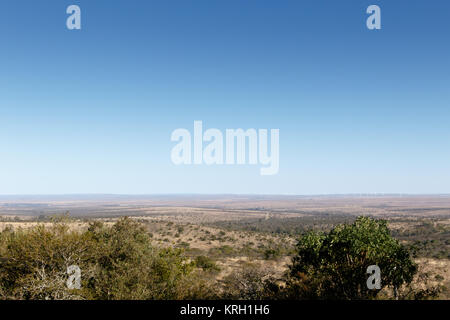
[[236, 232]]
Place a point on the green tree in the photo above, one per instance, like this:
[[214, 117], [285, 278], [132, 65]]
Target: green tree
[[334, 265]]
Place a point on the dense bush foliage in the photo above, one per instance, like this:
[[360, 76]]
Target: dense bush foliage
[[119, 261], [116, 262], [334, 265]]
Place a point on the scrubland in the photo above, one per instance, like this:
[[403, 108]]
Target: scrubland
[[230, 241]]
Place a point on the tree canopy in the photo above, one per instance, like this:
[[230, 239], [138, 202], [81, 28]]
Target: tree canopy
[[333, 265]]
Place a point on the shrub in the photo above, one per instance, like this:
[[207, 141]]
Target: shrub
[[116, 262], [272, 253], [249, 283], [334, 265], [206, 263]]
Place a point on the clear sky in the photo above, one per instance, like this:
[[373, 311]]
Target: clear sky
[[92, 110]]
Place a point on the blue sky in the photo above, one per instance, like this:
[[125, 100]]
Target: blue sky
[[92, 111]]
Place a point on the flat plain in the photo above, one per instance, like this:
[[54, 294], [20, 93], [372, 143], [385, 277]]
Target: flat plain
[[240, 231]]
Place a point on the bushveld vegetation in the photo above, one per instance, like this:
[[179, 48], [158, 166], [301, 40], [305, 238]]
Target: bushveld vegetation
[[128, 259], [334, 265], [118, 262]]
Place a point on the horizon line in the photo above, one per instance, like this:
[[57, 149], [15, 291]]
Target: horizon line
[[227, 194]]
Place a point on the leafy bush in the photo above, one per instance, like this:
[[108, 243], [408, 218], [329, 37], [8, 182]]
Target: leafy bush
[[334, 265], [116, 262], [206, 263]]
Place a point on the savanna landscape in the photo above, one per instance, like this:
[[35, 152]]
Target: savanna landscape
[[224, 247]]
